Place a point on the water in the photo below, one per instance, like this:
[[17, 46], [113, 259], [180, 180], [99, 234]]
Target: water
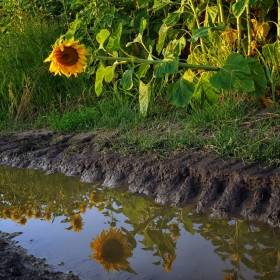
[[63, 220]]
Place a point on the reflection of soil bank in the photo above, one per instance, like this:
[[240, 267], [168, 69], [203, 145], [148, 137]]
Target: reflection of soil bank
[[16, 264], [224, 188]]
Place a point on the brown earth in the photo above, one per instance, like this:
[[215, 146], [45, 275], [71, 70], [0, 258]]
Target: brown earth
[[224, 188]]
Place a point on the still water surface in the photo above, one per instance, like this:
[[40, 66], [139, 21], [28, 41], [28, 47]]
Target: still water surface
[[103, 233]]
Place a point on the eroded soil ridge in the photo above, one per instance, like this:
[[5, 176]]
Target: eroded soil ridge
[[223, 188]]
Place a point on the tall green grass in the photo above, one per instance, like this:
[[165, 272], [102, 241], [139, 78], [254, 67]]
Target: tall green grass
[[26, 86]]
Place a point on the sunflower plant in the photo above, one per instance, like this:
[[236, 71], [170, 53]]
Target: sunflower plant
[[132, 46]]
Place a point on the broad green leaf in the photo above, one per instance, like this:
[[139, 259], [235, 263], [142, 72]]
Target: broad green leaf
[[168, 66], [161, 240], [161, 37], [73, 27], [144, 98], [203, 32], [98, 86], [159, 4], [182, 93], [272, 53], [101, 37], [142, 70], [175, 47], [234, 75], [114, 40], [126, 81], [211, 15], [239, 7], [173, 18], [109, 73], [204, 91], [258, 76]]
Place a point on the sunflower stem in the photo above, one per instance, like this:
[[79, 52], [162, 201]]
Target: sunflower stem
[[149, 61]]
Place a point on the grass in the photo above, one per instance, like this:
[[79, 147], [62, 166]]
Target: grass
[[238, 126]]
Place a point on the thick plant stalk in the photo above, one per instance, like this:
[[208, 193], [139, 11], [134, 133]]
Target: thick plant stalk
[[249, 29], [148, 61], [278, 26], [221, 11], [197, 23]]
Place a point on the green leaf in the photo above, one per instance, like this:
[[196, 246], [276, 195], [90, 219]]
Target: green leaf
[[161, 240], [73, 27], [211, 15], [204, 90], [114, 40], [175, 47], [234, 75], [98, 86], [272, 53], [143, 25], [126, 81], [144, 98], [239, 7], [142, 70], [101, 37], [159, 4], [168, 66], [258, 76], [187, 223], [173, 18], [182, 93], [161, 37], [204, 32], [109, 73]]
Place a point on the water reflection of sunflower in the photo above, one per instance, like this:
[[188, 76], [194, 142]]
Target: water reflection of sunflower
[[77, 222], [168, 262], [69, 57], [112, 250], [7, 213], [22, 221], [29, 213], [15, 215]]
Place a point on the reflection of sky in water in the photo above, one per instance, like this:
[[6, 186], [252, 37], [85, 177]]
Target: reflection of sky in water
[[196, 255]]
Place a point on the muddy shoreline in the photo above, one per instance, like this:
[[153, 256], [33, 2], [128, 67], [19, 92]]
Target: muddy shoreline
[[224, 188]]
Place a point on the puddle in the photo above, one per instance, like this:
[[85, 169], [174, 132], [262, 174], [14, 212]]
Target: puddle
[[103, 233]]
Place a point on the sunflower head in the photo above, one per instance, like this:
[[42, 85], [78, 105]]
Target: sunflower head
[[77, 222], [68, 58], [112, 250]]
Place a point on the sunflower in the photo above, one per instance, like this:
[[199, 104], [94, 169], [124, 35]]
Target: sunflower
[[112, 250], [77, 222], [168, 262], [29, 213], [6, 213], [22, 221], [68, 58]]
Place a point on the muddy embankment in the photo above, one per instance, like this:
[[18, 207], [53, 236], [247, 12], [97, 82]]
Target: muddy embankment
[[223, 188]]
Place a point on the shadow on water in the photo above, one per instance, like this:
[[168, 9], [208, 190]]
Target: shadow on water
[[103, 233]]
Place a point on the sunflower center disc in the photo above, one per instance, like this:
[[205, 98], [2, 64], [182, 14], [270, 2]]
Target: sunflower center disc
[[69, 56], [112, 251]]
